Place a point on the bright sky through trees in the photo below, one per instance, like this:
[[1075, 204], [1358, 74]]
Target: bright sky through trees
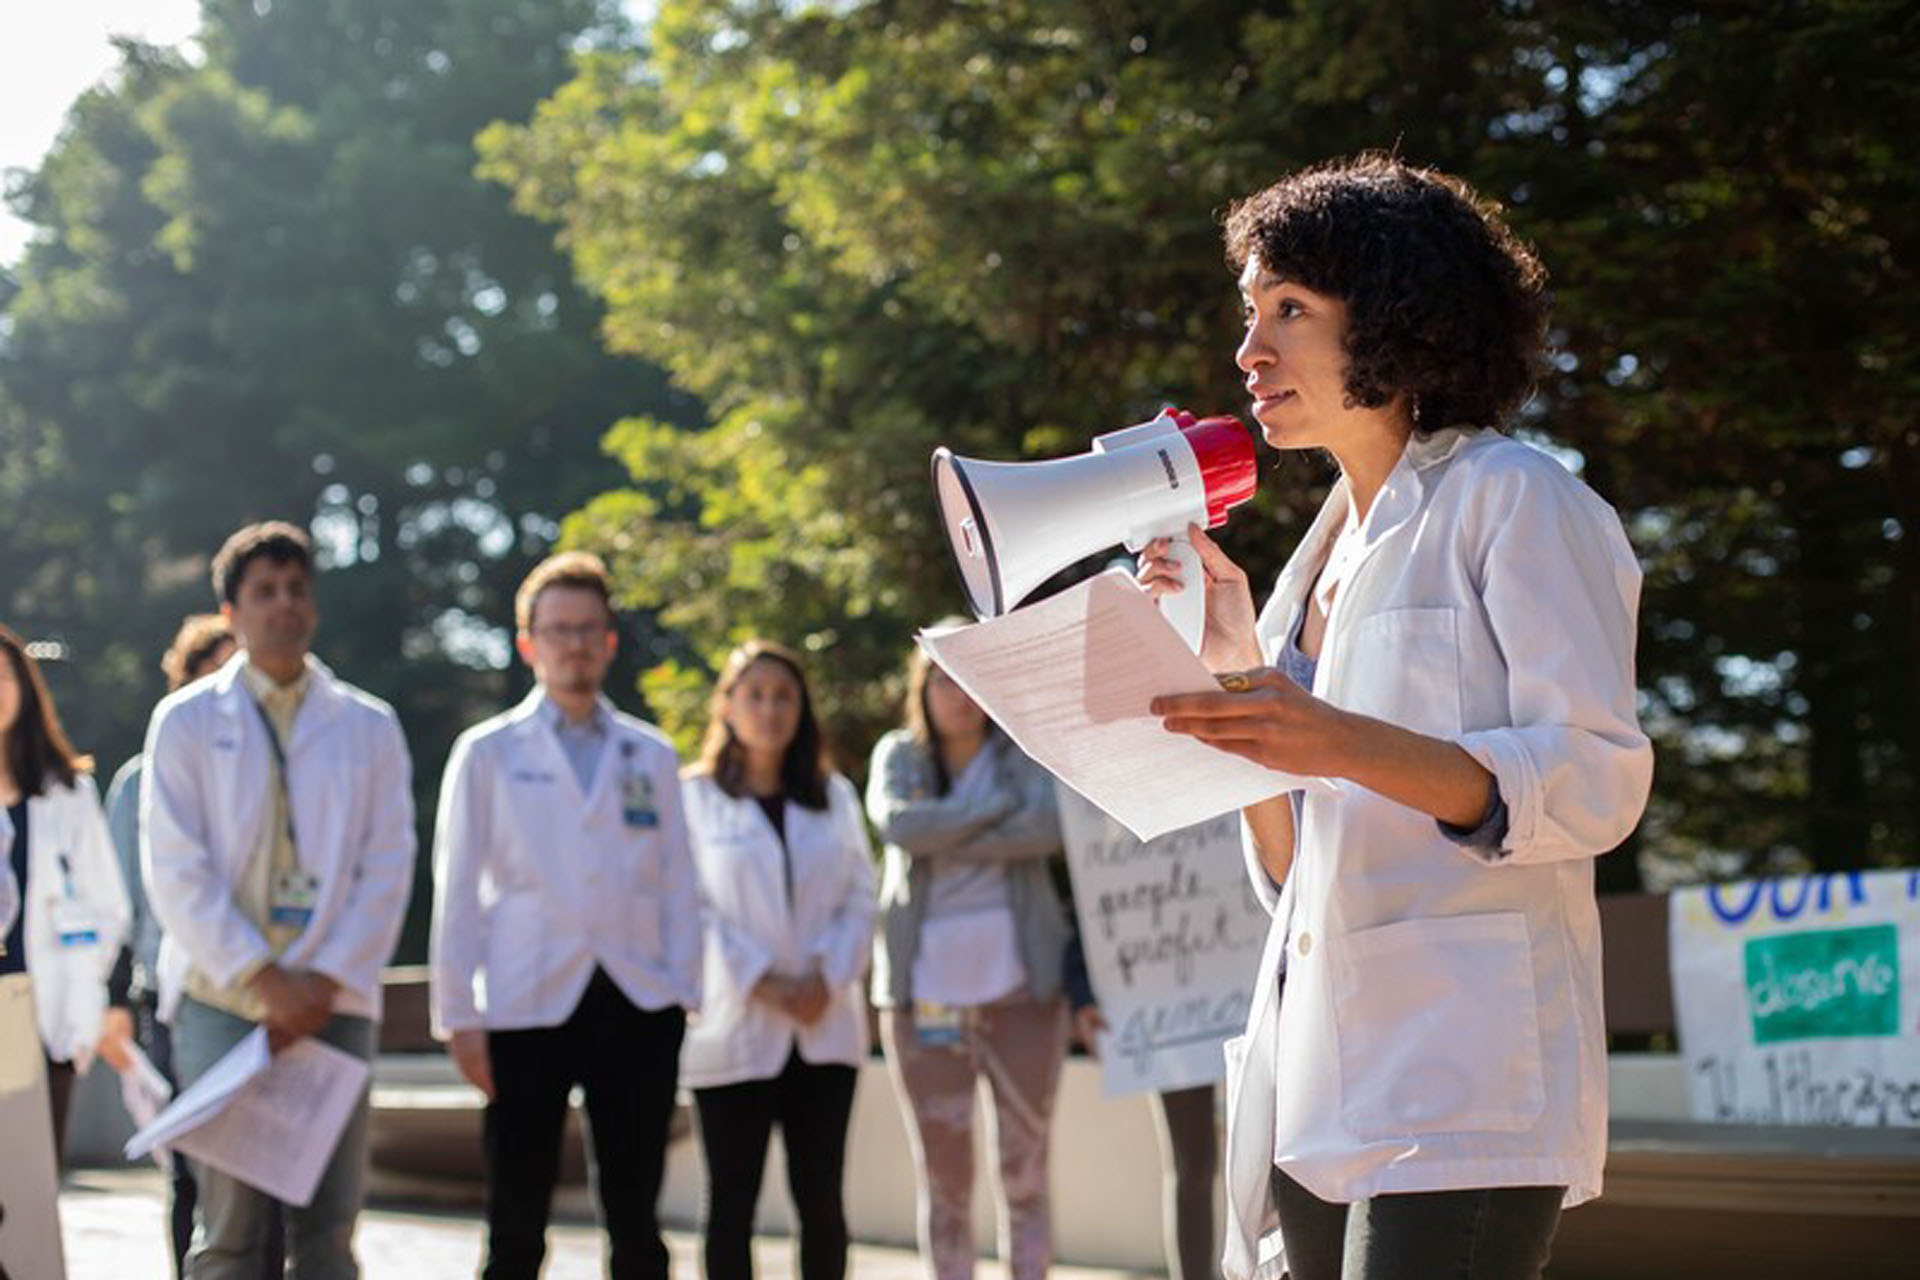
[[49, 55]]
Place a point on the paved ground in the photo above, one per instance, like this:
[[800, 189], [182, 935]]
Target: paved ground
[[114, 1225]]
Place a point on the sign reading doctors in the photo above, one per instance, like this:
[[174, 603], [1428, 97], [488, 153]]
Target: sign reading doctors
[[1172, 933], [1799, 999]]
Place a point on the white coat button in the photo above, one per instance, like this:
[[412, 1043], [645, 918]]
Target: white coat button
[[1303, 944]]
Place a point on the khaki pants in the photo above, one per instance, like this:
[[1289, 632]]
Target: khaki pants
[[1018, 1045]]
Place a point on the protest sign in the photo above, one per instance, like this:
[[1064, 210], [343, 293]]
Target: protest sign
[[1172, 933], [1798, 999]]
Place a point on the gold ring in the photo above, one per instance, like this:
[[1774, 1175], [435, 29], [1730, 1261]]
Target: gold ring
[[1235, 682]]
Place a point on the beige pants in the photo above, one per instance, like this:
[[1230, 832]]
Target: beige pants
[[1019, 1045]]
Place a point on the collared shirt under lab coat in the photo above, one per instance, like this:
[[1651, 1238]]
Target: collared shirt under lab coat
[[209, 779], [1441, 1026], [73, 883], [537, 883], [752, 930]]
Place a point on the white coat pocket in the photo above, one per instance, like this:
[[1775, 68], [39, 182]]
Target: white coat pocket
[[1438, 1028], [1405, 666]]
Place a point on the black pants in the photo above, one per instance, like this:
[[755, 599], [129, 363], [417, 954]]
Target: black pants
[[60, 1100], [155, 1037], [812, 1105], [1498, 1233], [626, 1061], [1189, 1161]]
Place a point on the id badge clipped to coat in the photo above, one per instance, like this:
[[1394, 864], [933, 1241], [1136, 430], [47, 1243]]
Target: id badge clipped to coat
[[294, 895], [73, 922], [639, 807]]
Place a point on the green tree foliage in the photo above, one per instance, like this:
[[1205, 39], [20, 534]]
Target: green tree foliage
[[268, 283], [860, 229]]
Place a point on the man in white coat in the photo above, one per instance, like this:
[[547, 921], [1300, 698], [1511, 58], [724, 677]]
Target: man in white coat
[[278, 846], [566, 930]]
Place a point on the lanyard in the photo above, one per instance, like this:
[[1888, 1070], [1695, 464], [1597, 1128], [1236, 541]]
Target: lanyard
[[280, 768]]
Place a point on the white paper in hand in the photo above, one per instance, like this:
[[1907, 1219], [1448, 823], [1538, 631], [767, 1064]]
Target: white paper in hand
[[271, 1121], [1070, 679], [145, 1093]]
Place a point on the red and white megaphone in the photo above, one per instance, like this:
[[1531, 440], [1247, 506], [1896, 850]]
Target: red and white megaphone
[[1013, 525]]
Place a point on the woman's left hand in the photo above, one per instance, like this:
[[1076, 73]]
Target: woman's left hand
[[115, 1046], [1274, 723]]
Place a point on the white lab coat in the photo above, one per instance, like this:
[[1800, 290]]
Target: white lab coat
[[1442, 1023], [752, 930], [209, 776], [73, 884], [536, 882]]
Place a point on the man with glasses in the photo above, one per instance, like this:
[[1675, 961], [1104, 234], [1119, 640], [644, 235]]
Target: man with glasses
[[566, 930]]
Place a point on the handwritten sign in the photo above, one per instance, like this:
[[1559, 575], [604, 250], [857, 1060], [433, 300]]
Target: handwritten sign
[[1172, 933], [1799, 999], [29, 1180]]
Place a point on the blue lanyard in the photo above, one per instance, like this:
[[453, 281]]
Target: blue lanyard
[[280, 762]]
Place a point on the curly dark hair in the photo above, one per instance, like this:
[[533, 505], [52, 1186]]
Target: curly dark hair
[[1444, 303], [274, 541]]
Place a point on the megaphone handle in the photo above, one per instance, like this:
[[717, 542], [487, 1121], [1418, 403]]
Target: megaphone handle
[[1186, 608]]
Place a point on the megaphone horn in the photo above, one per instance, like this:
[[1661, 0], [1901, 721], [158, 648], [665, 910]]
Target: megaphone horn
[[1013, 525]]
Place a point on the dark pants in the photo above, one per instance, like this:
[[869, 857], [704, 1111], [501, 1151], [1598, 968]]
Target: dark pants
[[626, 1061], [157, 1040], [60, 1096], [1189, 1160], [1497, 1233], [813, 1106]]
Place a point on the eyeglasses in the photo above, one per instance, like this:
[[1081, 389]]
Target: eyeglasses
[[560, 634]]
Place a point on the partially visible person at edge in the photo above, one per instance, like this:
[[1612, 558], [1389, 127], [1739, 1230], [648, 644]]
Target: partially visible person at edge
[[201, 646], [787, 906], [967, 964], [566, 930], [72, 922], [1451, 645], [278, 849], [1185, 1125]]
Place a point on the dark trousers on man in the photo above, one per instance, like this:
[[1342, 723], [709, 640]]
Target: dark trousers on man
[[626, 1061], [812, 1105]]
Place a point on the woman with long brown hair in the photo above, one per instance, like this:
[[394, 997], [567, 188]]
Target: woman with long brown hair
[[73, 915], [786, 890]]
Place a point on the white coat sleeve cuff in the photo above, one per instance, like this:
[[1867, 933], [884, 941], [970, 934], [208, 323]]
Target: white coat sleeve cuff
[[1500, 753]]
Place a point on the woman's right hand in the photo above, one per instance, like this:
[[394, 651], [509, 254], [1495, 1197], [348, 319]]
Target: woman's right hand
[[1230, 642]]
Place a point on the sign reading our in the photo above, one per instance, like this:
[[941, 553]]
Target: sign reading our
[[1799, 999], [1172, 934]]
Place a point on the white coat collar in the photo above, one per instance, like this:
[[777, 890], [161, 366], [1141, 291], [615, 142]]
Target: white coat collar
[[322, 703], [532, 723], [1396, 503]]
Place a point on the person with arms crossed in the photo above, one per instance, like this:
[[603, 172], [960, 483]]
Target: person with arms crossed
[[278, 847], [566, 930], [72, 915], [786, 889], [1452, 647], [967, 964]]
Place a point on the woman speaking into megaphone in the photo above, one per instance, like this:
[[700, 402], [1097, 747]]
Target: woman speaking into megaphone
[[1452, 646]]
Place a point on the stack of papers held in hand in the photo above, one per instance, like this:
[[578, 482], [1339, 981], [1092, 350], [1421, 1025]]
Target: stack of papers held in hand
[[270, 1120], [1070, 680]]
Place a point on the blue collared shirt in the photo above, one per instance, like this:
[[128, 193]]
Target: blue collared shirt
[[581, 741]]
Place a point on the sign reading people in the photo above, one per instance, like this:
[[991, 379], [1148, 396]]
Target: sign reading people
[[1799, 999], [1172, 933]]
